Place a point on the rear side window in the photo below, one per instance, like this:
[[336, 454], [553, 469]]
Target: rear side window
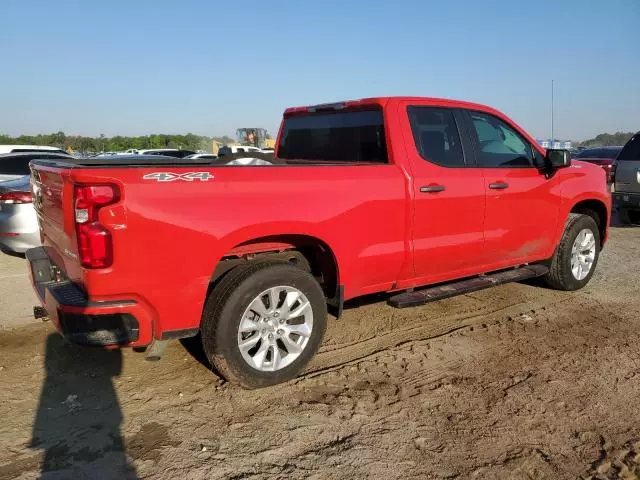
[[499, 145], [436, 135], [15, 165], [343, 136], [171, 153], [184, 153], [631, 151]]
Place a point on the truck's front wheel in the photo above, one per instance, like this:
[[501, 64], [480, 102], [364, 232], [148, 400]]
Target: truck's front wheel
[[575, 259], [263, 322]]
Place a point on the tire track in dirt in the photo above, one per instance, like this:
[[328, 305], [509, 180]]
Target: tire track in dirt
[[422, 328]]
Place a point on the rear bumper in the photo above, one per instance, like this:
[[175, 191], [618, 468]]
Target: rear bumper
[[121, 322], [626, 200]]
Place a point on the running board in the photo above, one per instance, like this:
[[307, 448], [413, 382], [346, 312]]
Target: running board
[[420, 297]]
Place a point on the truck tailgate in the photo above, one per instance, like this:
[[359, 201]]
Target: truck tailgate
[[53, 202]]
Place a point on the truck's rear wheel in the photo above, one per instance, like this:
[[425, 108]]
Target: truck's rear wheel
[[263, 322], [575, 259]]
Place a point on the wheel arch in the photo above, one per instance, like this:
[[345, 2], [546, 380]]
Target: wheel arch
[[598, 211], [309, 252]]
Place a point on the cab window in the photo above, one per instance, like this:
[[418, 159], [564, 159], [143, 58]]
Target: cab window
[[436, 136], [499, 145]]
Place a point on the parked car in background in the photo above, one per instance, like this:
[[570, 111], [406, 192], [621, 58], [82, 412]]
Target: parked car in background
[[603, 156], [106, 154], [167, 152], [29, 148], [18, 220], [626, 186], [233, 149]]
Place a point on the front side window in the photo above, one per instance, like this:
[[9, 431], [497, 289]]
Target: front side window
[[499, 145], [436, 136]]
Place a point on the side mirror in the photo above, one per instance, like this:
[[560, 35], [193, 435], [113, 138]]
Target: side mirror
[[558, 158]]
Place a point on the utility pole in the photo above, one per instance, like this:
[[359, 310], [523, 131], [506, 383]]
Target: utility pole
[[552, 134]]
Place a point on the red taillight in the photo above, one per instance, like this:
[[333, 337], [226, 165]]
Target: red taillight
[[95, 248], [16, 197]]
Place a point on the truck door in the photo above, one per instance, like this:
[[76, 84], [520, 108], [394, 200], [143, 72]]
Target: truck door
[[448, 196], [522, 205]]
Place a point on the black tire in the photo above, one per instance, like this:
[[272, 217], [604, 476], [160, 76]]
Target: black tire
[[225, 308], [628, 216], [623, 216], [560, 276]]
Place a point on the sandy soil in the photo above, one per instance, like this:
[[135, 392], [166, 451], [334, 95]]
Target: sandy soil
[[514, 382]]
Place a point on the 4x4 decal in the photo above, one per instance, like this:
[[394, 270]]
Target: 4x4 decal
[[170, 176]]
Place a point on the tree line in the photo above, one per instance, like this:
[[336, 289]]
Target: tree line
[[607, 140], [102, 143], [190, 141]]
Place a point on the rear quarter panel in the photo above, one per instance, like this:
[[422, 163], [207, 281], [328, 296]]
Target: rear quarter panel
[[169, 236]]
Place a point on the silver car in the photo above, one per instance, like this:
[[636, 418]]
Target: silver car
[[626, 194], [18, 221]]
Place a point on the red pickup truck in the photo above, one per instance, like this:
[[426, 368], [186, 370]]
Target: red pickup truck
[[423, 197]]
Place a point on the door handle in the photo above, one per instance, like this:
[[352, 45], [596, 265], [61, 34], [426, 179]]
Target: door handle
[[498, 186], [432, 189]]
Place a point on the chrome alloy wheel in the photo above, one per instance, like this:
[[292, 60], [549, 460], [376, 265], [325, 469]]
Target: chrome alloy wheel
[[275, 328], [583, 254]]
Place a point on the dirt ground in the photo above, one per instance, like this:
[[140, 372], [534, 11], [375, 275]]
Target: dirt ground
[[517, 382]]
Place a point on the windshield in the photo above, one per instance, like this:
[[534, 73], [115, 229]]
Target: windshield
[[344, 136]]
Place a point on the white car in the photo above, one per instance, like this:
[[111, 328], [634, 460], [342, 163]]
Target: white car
[[231, 149], [168, 152], [30, 148]]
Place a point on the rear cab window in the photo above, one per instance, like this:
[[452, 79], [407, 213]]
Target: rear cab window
[[344, 136]]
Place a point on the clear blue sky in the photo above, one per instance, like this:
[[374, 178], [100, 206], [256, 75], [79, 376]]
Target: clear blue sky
[[208, 67]]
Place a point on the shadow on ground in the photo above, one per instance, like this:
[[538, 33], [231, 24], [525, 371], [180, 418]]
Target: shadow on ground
[[78, 418]]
